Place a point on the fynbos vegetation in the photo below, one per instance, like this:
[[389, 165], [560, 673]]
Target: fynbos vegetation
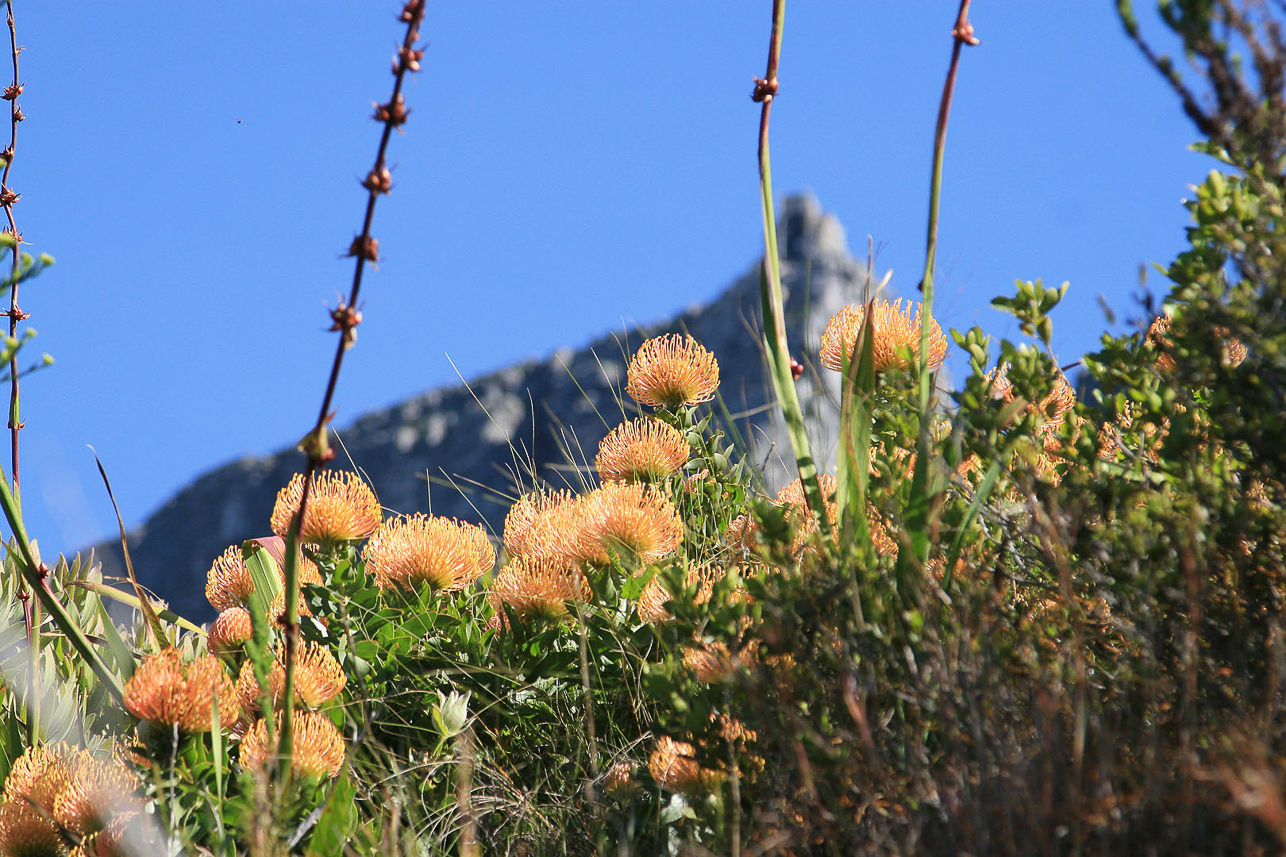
[[1006, 619]]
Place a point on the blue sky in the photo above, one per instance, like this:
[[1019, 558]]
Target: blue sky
[[568, 167]]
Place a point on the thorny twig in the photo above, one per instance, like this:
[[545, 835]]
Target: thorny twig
[[7, 200], [346, 317], [30, 606]]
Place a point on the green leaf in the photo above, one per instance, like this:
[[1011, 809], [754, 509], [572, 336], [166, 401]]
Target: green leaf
[[975, 506], [854, 464], [162, 613], [121, 655], [13, 743], [633, 587], [216, 740], [263, 570], [259, 646], [338, 819]]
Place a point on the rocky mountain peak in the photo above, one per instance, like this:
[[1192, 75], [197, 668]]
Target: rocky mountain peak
[[809, 233]]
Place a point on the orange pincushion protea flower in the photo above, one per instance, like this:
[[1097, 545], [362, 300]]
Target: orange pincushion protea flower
[[230, 631], [714, 662], [318, 678], [543, 524], [443, 553], [341, 508], [672, 371], [97, 791], [894, 328], [618, 781], [641, 450], [793, 493], [318, 746], [733, 730], [1234, 352], [878, 527], [742, 531], [673, 765], [628, 518], [167, 691], [228, 582], [248, 686], [40, 774], [793, 497], [537, 587], [1060, 400], [26, 830], [1157, 336]]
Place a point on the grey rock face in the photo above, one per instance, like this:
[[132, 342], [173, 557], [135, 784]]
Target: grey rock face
[[480, 445]]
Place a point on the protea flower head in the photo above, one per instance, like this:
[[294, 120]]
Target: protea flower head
[[537, 588], [618, 780], [97, 791], [672, 371], [641, 450], [318, 678], [1233, 349], [318, 751], [543, 525], [341, 508], [228, 582], [628, 519], [28, 832], [41, 774], [230, 631], [168, 691], [442, 553], [716, 662], [1057, 402], [673, 765], [793, 497], [709, 663], [895, 328]]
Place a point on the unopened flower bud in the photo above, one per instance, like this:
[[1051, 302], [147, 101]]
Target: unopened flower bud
[[451, 713]]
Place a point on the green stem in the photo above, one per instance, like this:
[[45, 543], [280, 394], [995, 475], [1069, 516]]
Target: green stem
[[770, 289], [290, 572], [963, 34], [922, 506], [33, 672], [31, 572]]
